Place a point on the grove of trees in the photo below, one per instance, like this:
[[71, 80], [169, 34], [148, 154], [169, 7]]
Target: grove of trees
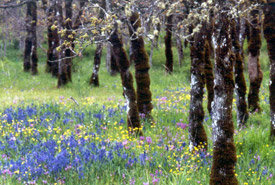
[[215, 30]]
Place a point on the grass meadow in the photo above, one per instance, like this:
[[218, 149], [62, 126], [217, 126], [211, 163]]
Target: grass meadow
[[47, 138]]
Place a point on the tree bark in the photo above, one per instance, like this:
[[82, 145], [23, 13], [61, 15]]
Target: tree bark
[[168, 45], [197, 134], [269, 33], [240, 85], [142, 67], [133, 120], [254, 67], [209, 76], [30, 53], [94, 78], [224, 152], [65, 67], [180, 50]]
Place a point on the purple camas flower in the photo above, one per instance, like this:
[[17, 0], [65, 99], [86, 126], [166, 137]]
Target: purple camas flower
[[132, 181], [182, 125], [155, 181], [146, 183], [149, 140], [124, 142]]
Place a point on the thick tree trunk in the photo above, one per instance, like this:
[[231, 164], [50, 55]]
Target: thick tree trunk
[[168, 45], [197, 134], [141, 60], [240, 85], [209, 76], [224, 152], [254, 70], [30, 53], [65, 67], [97, 58], [269, 33], [129, 93]]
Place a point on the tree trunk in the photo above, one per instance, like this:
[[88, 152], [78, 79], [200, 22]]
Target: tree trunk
[[240, 85], [65, 70], [168, 45], [269, 33], [34, 56], [97, 58], [141, 60], [98, 53], [53, 37], [129, 93], [28, 41], [30, 53], [197, 134], [224, 152], [180, 50], [209, 76], [179, 44], [254, 70]]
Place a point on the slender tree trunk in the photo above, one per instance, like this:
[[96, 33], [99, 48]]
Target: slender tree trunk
[[65, 70], [53, 37], [269, 33], [34, 56], [111, 63], [30, 53], [240, 85], [168, 45], [224, 152], [209, 76], [141, 60], [98, 53], [179, 44], [197, 134], [94, 78], [254, 67], [180, 50], [28, 41], [129, 93]]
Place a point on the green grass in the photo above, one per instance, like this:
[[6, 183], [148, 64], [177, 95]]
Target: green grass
[[20, 89]]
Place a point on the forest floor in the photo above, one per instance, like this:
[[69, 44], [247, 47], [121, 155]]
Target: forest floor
[[47, 138]]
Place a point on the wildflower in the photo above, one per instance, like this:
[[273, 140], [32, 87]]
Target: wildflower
[[149, 140]]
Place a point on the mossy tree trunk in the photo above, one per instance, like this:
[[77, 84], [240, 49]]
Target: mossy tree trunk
[[254, 67], [168, 45], [179, 44], [142, 66], [240, 85], [209, 76], [98, 52], [269, 33], [224, 151], [65, 65], [53, 37], [133, 120], [30, 53], [197, 134]]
